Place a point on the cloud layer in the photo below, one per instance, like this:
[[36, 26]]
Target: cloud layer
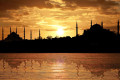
[[15, 4], [69, 4]]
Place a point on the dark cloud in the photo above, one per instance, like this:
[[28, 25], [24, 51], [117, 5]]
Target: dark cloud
[[15, 4], [110, 11], [104, 4], [5, 14], [70, 4]]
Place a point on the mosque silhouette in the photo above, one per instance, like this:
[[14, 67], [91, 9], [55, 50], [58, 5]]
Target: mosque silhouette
[[94, 40]]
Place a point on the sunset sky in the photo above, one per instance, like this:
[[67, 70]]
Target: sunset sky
[[57, 17]]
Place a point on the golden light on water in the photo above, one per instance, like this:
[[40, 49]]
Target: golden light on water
[[58, 67], [67, 66]]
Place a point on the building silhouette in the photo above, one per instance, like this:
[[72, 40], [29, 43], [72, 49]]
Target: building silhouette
[[118, 28], [30, 34], [91, 23], [16, 30], [39, 34], [76, 29], [13, 37], [102, 24], [97, 32], [24, 33], [2, 33], [10, 30]]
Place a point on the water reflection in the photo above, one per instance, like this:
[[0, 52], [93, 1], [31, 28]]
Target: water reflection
[[59, 66]]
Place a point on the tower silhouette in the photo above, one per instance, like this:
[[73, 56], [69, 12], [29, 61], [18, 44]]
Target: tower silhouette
[[118, 28], [24, 33], [16, 30], [102, 24], [76, 29], [39, 33], [10, 30], [91, 23], [30, 34], [2, 33]]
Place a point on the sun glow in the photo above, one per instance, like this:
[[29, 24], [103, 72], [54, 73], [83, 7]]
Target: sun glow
[[60, 32]]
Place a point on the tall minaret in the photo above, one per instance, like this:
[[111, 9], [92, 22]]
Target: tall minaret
[[76, 29], [39, 33], [16, 30], [102, 24], [24, 33], [30, 34], [2, 33], [10, 30], [91, 23], [118, 28]]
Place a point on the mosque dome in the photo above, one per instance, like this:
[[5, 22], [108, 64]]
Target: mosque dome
[[13, 37], [96, 27]]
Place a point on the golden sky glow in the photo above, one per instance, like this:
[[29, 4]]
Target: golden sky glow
[[52, 15], [60, 32]]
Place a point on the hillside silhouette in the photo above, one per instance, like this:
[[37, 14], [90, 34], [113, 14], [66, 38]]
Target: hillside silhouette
[[94, 40]]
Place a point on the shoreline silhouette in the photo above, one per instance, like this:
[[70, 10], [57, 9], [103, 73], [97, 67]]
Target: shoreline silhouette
[[94, 40]]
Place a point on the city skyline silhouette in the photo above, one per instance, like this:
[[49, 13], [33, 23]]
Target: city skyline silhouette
[[40, 37], [96, 39]]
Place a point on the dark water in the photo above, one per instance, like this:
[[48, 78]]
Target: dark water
[[59, 66]]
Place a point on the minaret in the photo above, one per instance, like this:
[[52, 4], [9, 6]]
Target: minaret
[[30, 34], [76, 29], [16, 30], [102, 24], [24, 33], [118, 28], [2, 33], [10, 30], [91, 23], [39, 33]]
